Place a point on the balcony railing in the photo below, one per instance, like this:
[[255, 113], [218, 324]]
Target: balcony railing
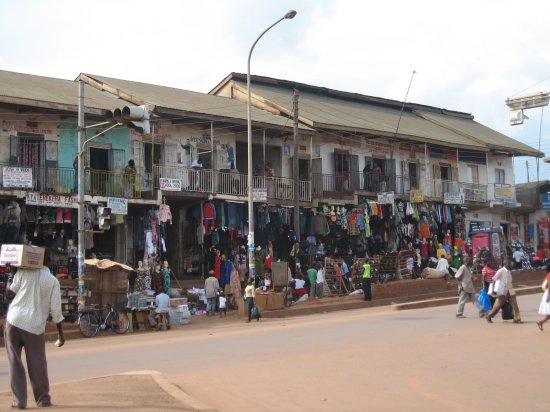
[[229, 183], [113, 184], [330, 185], [64, 180], [119, 184]]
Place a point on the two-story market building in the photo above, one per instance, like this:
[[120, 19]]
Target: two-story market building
[[372, 173]]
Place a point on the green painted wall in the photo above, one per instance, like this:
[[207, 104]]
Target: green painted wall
[[119, 138]]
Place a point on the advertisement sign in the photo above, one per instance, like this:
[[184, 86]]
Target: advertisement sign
[[170, 185], [259, 194], [17, 177], [416, 196], [450, 198], [546, 201], [386, 198], [118, 205], [503, 191], [51, 200]]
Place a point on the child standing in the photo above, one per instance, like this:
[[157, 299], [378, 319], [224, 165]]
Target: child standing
[[222, 303]]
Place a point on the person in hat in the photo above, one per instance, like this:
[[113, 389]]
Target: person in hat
[[211, 286]]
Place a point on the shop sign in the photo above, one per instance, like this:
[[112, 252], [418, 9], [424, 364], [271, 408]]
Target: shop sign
[[170, 185], [416, 196], [259, 194], [512, 204], [118, 205], [450, 198], [546, 200], [17, 177], [51, 200], [503, 191], [386, 198]]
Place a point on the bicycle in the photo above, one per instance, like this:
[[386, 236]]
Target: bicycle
[[91, 321]]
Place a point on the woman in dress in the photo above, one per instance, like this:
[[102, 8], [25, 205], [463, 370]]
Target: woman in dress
[[544, 308]]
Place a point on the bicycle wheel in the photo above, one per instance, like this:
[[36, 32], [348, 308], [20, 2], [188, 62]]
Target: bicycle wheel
[[88, 324], [119, 323]]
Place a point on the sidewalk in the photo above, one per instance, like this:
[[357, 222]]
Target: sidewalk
[[145, 391]]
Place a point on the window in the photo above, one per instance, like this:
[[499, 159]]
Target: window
[[499, 176], [473, 174]]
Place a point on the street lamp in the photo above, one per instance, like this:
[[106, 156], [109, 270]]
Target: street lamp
[[251, 259]]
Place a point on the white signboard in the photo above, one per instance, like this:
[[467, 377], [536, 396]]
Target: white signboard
[[51, 200], [172, 185], [450, 198], [17, 177], [118, 205], [386, 198], [259, 194]]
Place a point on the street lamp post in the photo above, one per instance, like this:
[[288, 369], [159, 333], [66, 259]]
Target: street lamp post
[[251, 257]]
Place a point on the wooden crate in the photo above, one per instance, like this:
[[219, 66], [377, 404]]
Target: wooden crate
[[107, 286]]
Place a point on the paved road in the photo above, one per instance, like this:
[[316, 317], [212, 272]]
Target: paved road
[[369, 359]]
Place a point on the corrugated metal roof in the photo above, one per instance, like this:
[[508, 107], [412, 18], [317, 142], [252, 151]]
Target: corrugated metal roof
[[343, 111], [48, 90], [339, 114], [192, 102], [488, 136]]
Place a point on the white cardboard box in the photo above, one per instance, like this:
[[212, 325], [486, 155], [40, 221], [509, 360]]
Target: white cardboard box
[[23, 256]]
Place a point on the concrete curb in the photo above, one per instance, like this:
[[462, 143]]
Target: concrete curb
[[174, 391], [430, 303]]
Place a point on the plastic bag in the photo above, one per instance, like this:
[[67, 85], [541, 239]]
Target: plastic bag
[[484, 300], [256, 312], [507, 311]]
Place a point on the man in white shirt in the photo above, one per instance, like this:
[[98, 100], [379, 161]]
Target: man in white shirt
[[443, 265], [320, 281], [37, 294], [517, 255], [504, 274], [162, 303]]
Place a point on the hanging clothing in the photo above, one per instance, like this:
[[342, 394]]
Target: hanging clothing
[[164, 213]]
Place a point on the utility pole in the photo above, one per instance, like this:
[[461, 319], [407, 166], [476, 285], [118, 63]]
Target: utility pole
[[527, 166], [80, 175], [296, 167]]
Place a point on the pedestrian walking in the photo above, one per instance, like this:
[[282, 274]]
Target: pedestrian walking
[[249, 295], [466, 288], [504, 274], [544, 308], [37, 295], [367, 282], [211, 286]]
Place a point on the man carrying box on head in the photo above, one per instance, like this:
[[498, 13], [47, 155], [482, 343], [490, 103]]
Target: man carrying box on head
[[37, 294]]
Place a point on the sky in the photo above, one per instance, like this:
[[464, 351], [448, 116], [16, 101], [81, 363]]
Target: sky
[[468, 56]]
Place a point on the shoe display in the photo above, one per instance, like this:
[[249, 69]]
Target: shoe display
[[518, 321], [539, 324], [488, 319], [460, 316]]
